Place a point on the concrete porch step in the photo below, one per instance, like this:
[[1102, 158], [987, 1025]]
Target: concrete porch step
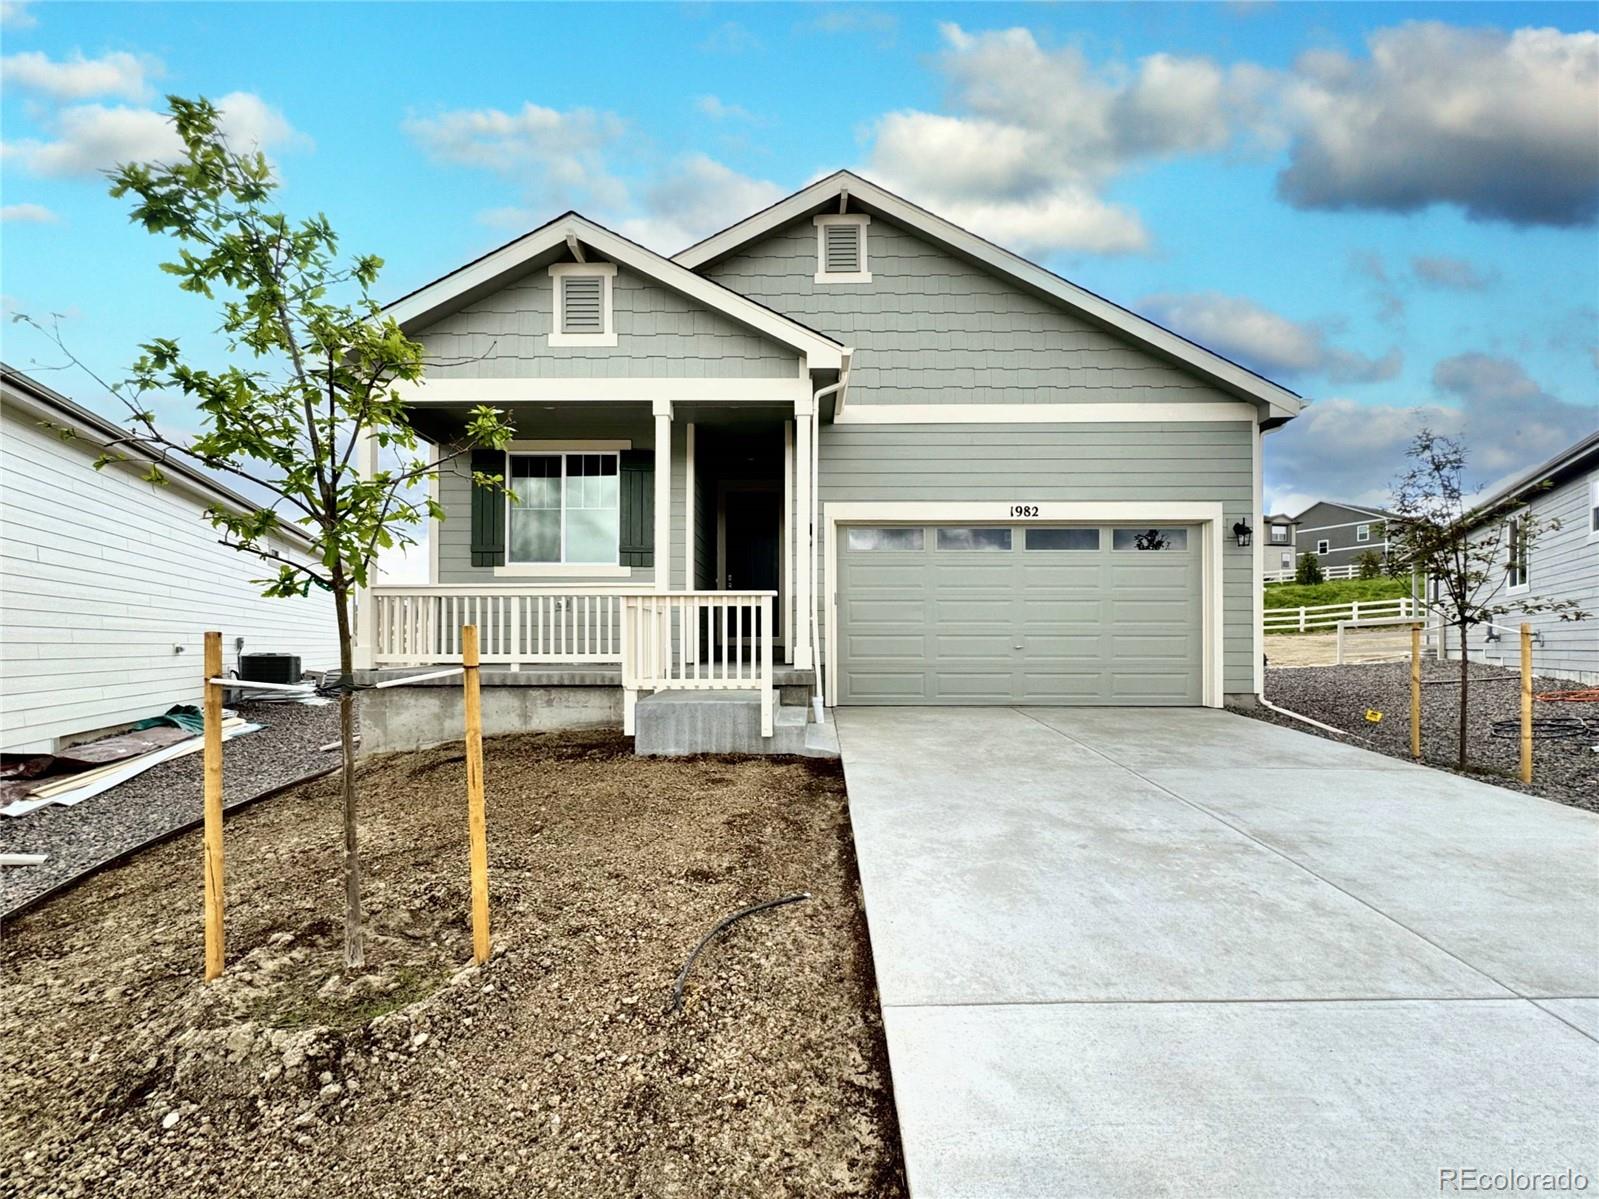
[[680, 723]]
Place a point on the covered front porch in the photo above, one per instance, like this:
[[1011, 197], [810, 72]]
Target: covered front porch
[[638, 546]]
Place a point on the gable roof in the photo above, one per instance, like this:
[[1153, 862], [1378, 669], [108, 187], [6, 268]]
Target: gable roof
[[1278, 402], [434, 299], [1363, 509], [1574, 455], [97, 431]]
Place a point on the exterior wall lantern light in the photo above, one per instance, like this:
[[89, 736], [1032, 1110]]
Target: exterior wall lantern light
[[1243, 532]]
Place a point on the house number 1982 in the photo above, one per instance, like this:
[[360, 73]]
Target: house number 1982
[[1024, 509]]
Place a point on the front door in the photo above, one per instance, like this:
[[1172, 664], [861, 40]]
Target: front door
[[752, 522]]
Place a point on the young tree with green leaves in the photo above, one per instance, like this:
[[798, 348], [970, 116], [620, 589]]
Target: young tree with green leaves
[[317, 369], [1470, 552]]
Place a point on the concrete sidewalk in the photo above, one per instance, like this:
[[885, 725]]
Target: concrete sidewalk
[[1179, 952]]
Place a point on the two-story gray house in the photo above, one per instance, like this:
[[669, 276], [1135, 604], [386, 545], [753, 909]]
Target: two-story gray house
[[1277, 531], [1338, 534], [1560, 563], [843, 448]]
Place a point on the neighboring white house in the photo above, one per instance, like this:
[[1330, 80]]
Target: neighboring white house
[[1562, 564], [107, 583]]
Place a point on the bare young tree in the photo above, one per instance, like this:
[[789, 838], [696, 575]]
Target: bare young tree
[[312, 377], [1471, 551]]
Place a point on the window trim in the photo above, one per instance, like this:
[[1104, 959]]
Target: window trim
[[1593, 507], [606, 272], [1279, 534], [864, 275], [515, 566], [1517, 564], [1362, 533], [1323, 546]]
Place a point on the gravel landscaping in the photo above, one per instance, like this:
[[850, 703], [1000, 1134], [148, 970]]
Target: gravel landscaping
[[555, 1069], [1565, 770], [164, 798]]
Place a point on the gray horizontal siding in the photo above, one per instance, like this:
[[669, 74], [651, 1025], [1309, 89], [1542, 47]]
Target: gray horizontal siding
[[1564, 565], [659, 334], [1076, 463], [930, 328]]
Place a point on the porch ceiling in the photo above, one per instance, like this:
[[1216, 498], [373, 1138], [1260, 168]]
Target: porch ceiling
[[575, 419]]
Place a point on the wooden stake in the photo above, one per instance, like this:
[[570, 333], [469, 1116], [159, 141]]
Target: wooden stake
[[1415, 692], [1526, 703], [477, 833], [213, 807]]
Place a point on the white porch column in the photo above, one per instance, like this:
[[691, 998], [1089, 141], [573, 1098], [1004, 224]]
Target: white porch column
[[804, 589], [690, 542], [663, 494], [366, 625]]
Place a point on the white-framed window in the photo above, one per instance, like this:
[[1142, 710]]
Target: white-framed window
[[1593, 508], [564, 508], [1323, 546], [1518, 546], [1362, 532], [1288, 560], [841, 255], [582, 304], [1279, 534]]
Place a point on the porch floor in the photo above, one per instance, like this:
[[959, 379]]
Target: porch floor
[[555, 674]]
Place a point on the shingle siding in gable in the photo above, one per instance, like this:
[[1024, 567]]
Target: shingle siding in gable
[[658, 334], [930, 328]]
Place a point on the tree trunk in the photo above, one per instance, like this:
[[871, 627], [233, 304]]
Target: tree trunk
[[1465, 681], [354, 945]]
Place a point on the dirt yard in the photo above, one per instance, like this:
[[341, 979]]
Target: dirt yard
[[553, 1070]]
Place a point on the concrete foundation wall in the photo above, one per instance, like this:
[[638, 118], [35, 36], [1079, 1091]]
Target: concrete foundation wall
[[422, 715]]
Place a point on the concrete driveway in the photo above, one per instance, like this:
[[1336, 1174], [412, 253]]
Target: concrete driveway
[[1179, 952]]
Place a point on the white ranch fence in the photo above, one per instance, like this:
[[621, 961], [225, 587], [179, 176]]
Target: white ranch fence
[[1327, 572], [663, 641], [1306, 619]]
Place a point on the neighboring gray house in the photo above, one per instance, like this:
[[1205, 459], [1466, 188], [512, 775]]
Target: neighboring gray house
[[1563, 564], [1277, 533], [1339, 533], [956, 477]]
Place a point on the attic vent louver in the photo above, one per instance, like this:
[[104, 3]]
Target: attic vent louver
[[842, 249], [582, 309]]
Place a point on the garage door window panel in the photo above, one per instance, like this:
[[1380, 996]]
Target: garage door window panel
[[1071, 540], [884, 540], [1146, 540], [956, 537]]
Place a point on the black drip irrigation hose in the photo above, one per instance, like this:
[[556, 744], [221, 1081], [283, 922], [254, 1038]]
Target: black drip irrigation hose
[[1549, 728], [682, 975]]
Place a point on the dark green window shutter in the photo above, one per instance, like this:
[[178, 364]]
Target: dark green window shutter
[[488, 510], [638, 508]]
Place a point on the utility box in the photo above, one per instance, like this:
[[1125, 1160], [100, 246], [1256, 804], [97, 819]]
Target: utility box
[[270, 668]]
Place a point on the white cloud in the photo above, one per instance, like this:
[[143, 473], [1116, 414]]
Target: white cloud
[[36, 214], [1037, 134], [695, 197], [730, 38], [118, 74], [718, 109], [555, 157], [1264, 340], [90, 138], [1341, 449], [17, 14], [1504, 125]]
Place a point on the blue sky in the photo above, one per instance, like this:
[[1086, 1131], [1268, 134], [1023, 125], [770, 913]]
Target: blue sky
[[1389, 208]]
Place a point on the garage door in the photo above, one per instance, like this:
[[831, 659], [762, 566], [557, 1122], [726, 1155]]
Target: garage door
[[996, 614]]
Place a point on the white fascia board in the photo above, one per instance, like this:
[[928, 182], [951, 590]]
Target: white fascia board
[[820, 352], [455, 392], [1046, 414], [1280, 403]]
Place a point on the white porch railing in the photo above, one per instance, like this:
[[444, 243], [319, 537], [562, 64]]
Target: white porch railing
[[414, 626], [663, 641], [698, 641]]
